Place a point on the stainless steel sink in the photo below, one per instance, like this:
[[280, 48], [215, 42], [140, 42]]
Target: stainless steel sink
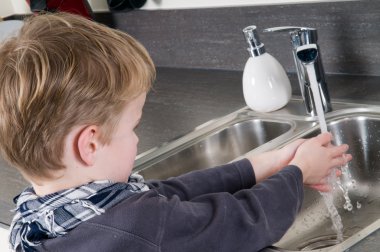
[[246, 132], [220, 145]]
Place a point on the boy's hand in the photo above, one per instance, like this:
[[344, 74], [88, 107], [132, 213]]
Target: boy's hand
[[317, 157], [326, 187], [268, 163], [283, 156]]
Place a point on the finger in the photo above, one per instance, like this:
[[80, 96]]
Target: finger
[[324, 180], [336, 151], [339, 161], [321, 187], [348, 157], [324, 139], [329, 178], [338, 172]]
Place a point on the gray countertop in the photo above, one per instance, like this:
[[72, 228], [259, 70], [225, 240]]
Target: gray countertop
[[183, 99]]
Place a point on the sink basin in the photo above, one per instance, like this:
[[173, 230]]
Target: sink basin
[[312, 229], [218, 147]]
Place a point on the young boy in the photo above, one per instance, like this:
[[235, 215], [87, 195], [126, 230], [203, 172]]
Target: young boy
[[71, 94]]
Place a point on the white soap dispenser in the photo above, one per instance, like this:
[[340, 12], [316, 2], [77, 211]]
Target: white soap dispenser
[[266, 87]]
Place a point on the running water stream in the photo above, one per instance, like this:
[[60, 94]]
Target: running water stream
[[327, 196]]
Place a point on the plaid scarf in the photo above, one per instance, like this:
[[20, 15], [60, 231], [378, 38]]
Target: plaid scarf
[[39, 218]]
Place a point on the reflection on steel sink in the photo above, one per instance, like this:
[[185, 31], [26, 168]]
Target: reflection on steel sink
[[312, 229], [227, 143], [245, 132]]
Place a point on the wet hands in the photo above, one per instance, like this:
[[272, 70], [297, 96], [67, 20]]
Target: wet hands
[[269, 163], [317, 158]]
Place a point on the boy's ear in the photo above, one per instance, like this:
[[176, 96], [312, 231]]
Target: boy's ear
[[88, 144]]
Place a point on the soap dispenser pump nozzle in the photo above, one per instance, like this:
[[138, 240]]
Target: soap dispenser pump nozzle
[[256, 48]]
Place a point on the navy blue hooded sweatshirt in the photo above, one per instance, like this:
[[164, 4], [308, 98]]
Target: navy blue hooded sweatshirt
[[216, 209]]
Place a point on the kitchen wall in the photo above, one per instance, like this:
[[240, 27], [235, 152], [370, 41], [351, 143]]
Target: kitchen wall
[[211, 38]]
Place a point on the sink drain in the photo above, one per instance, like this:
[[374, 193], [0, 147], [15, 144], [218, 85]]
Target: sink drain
[[320, 242]]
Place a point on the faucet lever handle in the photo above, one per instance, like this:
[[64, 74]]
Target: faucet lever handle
[[298, 35], [290, 29]]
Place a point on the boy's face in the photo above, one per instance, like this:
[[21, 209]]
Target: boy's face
[[116, 159]]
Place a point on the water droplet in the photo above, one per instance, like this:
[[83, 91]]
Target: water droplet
[[358, 205]]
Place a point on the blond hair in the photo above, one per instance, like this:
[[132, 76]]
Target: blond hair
[[62, 71]]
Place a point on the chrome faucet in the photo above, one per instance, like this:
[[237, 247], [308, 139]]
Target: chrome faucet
[[304, 36]]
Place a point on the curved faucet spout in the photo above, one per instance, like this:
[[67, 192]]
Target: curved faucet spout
[[304, 43]]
